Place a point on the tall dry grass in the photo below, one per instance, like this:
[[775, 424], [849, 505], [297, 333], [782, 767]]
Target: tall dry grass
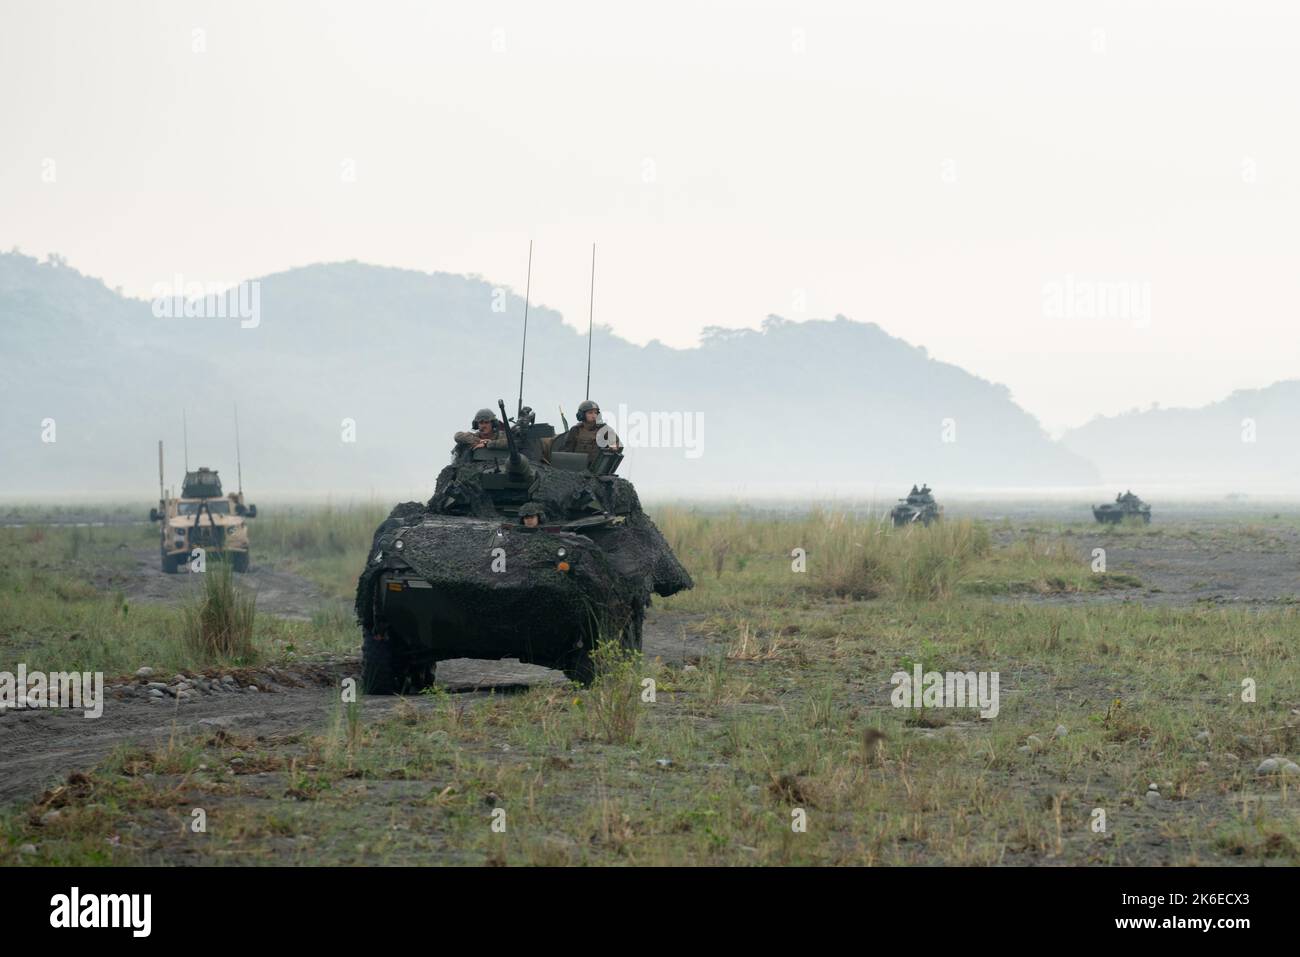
[[319, 532], [218, 626], [828, 553]]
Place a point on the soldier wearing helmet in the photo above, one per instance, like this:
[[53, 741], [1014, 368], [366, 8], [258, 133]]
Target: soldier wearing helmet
[[531, 514], [589, 434], [486, 433]]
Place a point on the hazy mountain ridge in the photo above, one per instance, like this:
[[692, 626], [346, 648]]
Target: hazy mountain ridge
[[1246, 441], [408, 356]]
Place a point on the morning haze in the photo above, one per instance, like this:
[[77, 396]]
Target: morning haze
[[895, 167]]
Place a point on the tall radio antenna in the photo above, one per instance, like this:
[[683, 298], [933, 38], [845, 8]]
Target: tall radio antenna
[[239, 465], [528, 285], [185, 431], [591, 307]]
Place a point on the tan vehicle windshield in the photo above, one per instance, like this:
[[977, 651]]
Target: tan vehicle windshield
[[192, 508]]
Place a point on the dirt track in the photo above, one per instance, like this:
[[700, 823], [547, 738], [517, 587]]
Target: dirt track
[[1219, 568], [279, 593], [1211, 563], [38, 748]]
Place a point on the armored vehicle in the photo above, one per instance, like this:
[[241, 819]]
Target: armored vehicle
[[463, 576], [1125, 506], [919, 507], [201, 517]]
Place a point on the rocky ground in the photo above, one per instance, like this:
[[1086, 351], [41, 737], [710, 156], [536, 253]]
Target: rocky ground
[[39, 746], [1186, 564]]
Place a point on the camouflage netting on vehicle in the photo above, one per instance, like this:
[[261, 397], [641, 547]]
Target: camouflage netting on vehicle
[[561, 493], [506, 572], [463, 576]]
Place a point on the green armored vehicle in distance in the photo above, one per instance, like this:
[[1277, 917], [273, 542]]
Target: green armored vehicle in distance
[[918, 508], [1126, 506]]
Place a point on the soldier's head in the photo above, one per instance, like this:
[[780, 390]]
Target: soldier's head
[[483, 421], [588, 411], [530, 514]]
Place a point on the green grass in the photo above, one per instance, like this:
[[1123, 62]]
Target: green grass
[[219, 622], [739, 561], [712, 770], [326, 545], [65, 605], [787, 710]]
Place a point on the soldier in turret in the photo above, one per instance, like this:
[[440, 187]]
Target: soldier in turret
[[531, 514], [589, 434], [486, 433]]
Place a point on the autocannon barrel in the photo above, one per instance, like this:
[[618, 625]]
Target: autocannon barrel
[[517, 464]]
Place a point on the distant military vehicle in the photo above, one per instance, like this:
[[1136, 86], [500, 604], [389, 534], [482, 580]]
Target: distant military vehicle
[[462, 577], [201, 517], [918, 508], [1126, 506]]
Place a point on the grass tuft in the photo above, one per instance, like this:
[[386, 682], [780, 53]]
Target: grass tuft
[[218, 627]]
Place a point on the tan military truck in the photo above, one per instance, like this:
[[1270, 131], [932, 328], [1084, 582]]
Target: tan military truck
[[201, 518]]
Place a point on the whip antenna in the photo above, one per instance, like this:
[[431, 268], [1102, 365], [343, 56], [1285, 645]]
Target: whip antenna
[[239, 465], [185, 431], [591, 306], [528, 285]]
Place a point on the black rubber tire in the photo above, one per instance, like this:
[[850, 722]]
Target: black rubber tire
[[378, 675], [580, 667], [239, 561], [633, 633], [171, 564], [414, 678], [385, 671]]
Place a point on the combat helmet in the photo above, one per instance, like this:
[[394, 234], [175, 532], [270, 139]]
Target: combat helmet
[[585, 406], [532, 508], [482, 415]]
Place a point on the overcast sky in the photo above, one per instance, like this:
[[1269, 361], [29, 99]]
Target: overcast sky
[[933, 167]]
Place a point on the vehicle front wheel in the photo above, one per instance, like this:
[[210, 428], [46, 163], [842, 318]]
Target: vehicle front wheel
[[414, 678], [377, 674], [384, 670], [579, 665], [240, 562]]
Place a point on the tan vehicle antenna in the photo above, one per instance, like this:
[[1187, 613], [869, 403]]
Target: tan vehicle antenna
[[239, 466]]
